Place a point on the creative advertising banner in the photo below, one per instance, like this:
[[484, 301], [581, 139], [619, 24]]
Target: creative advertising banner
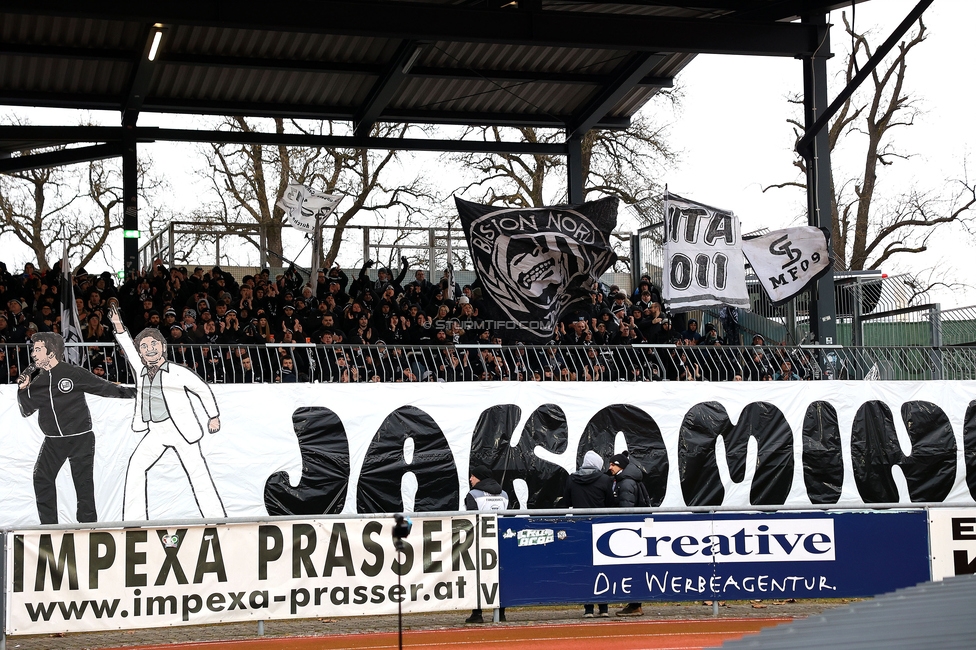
[[703, 263], [311, 449], [787, 261], [113, 579], [952, 532], [536, 264], [717, 556]]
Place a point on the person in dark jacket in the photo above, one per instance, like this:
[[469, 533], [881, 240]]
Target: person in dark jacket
[[590, 487], [626, 476], [57, 394], [485, 494]]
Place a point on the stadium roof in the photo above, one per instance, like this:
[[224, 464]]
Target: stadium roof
[[557, 63]]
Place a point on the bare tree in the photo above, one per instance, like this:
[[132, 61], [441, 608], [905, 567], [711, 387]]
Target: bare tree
[[622, 163], [869, 228], [249, 180], [33, 206], [78, 205]]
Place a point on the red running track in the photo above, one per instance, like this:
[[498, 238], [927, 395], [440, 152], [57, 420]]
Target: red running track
[[620, 635]]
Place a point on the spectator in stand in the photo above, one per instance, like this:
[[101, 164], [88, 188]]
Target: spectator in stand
[[785, 372], [645, 284], [95, 332], [576, 333], [760, 361], [650, 322], [692, 334]]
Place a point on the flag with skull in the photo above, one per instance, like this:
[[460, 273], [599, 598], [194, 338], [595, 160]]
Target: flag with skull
[[536, 264]]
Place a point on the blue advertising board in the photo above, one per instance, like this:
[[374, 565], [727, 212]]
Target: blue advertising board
[[715, 556]]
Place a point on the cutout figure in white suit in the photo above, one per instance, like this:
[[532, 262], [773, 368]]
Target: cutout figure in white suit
[[168, 399]]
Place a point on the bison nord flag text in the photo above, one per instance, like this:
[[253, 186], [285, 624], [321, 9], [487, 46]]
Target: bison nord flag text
[[534, 264]]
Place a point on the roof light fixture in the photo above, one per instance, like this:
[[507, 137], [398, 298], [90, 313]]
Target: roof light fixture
[[154, 48]]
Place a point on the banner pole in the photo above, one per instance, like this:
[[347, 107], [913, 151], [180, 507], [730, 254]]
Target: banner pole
[[477, 560], [316, 255], [3, 591]]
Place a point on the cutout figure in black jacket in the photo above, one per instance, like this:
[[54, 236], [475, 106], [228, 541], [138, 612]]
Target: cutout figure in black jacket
[[56, 391]]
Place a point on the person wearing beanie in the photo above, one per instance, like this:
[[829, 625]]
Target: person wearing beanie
[[485, 494], [626, 493], [590, 487]]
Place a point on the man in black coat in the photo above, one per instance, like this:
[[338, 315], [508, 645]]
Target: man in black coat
[[57, 393], [626, 492], [590, 487]]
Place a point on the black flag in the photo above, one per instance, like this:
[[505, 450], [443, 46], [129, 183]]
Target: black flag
[[535, 264]]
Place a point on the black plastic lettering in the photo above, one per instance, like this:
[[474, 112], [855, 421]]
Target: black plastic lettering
[[969, 445], [697, 465], [930, 470], [874, 450], [325, 467], [384, 467], [823, 461], [644, 442]]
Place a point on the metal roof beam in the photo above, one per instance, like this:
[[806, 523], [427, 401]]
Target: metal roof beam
[[439, 22], [51, 135], [630, 73], [419, 116], [385, 87], [326, 67], [65, 52], [61, 134], [296, 111], [575, 78], [60, 158], [353, 142], [135, 96]]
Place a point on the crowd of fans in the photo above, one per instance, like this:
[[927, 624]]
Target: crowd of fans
[[369, 330]]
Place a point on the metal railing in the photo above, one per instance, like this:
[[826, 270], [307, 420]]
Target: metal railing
[[302, 362]]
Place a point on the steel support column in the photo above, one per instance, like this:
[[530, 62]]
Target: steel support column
[[823, 315], [130, 200], [574, 168]]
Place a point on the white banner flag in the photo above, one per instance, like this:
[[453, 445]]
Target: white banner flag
[[787, 261], [70, 326], [304, 206], [703, 264]]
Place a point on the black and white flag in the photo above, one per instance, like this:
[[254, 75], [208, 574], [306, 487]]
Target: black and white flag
[[703, 264], [70, 327], [305, 207], [535, 264], [787, 261]]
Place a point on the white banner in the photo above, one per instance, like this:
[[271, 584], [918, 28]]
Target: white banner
[[703, 263], [304, 207], [548, 423], [952, 539], [89, 580], [786, 261]]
